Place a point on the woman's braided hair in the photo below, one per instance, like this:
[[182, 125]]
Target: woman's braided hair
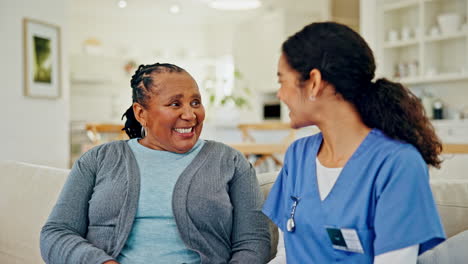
[[142, 83]]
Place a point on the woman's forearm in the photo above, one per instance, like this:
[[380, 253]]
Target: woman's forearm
[[61, 245], [250, 233]]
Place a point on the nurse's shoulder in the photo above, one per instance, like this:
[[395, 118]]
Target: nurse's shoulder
[[400, 159], [394, 149]]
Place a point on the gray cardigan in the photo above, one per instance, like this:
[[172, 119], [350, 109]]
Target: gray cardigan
[[216, 204]]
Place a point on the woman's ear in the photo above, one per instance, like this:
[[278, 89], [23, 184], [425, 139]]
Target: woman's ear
[[139, 112], [314, 84]]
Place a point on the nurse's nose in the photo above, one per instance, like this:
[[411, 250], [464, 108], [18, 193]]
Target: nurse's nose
[[279, 95]]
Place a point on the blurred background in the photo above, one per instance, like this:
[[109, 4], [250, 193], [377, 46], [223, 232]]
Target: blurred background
[[231, 47]]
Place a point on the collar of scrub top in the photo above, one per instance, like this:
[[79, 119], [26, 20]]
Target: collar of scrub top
[[291, 224]]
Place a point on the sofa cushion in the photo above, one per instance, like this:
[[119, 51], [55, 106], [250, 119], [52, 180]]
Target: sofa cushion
[[27, 195], [451, 197]]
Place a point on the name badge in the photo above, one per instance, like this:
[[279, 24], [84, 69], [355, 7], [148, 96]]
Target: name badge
[[345, 239]]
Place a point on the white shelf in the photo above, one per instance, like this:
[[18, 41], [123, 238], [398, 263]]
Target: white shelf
[[401, 43], [446, 77], [450, 123], [459, 34], [400, 4], [435, 1], [423, 52]]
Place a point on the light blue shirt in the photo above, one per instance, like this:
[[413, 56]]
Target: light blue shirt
[[154, 237], [383, 193]]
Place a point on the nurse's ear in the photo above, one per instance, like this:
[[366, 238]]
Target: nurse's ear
[[315, 85]]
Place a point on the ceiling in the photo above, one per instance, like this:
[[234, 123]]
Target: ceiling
[[192, 11]]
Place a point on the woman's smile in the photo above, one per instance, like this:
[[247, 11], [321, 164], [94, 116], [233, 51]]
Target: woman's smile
[[187, 132]]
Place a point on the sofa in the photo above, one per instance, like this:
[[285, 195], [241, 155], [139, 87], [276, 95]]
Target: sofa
[[28, 193]]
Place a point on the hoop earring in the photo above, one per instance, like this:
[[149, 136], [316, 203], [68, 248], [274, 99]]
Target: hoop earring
[[312, 98], [143, 132]]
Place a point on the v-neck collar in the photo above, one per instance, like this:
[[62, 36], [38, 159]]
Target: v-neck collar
[[343, 177]]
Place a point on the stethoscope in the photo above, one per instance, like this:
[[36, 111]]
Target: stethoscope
[[291, 224]]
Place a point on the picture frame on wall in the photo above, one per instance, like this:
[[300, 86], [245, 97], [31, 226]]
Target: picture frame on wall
[[41, 59]]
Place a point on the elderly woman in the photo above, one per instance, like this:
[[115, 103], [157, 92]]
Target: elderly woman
[[165, 195]]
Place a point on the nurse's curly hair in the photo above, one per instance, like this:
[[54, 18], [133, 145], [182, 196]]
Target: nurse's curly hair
[[142, 84], [345, 60]]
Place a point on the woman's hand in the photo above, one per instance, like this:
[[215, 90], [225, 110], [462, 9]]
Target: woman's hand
[[110, 262]]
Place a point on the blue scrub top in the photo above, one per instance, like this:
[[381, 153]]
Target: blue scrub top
[[383, 193]]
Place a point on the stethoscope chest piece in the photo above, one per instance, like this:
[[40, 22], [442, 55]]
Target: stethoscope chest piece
[[290, 225]]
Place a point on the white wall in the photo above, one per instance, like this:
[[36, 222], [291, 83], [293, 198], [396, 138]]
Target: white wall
[[32, 130], [257, 48], [368, 25], [346, 12], [145, 37], [141, 38], [150, 34]]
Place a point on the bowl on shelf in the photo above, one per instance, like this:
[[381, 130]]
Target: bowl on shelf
[[449, 22]]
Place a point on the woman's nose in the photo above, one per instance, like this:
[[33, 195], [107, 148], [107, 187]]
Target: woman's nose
[[188, 114]]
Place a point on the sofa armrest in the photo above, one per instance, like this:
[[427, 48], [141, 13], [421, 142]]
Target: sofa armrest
[[453, 250]]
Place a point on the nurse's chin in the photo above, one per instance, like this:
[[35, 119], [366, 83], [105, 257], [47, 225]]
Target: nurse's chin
[[296, 125]]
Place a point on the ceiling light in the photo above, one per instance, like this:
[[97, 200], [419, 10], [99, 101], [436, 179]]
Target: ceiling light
[[235, 4], [122, 3], [174, 9]]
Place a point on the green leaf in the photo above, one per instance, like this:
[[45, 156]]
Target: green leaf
[[237, 74], [223, 101]]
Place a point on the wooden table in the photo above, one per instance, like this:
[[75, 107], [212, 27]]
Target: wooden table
[[455, 149], [94, 131], [264, 150]]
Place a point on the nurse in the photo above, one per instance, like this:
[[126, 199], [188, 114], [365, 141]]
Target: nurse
[[358, 192]]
